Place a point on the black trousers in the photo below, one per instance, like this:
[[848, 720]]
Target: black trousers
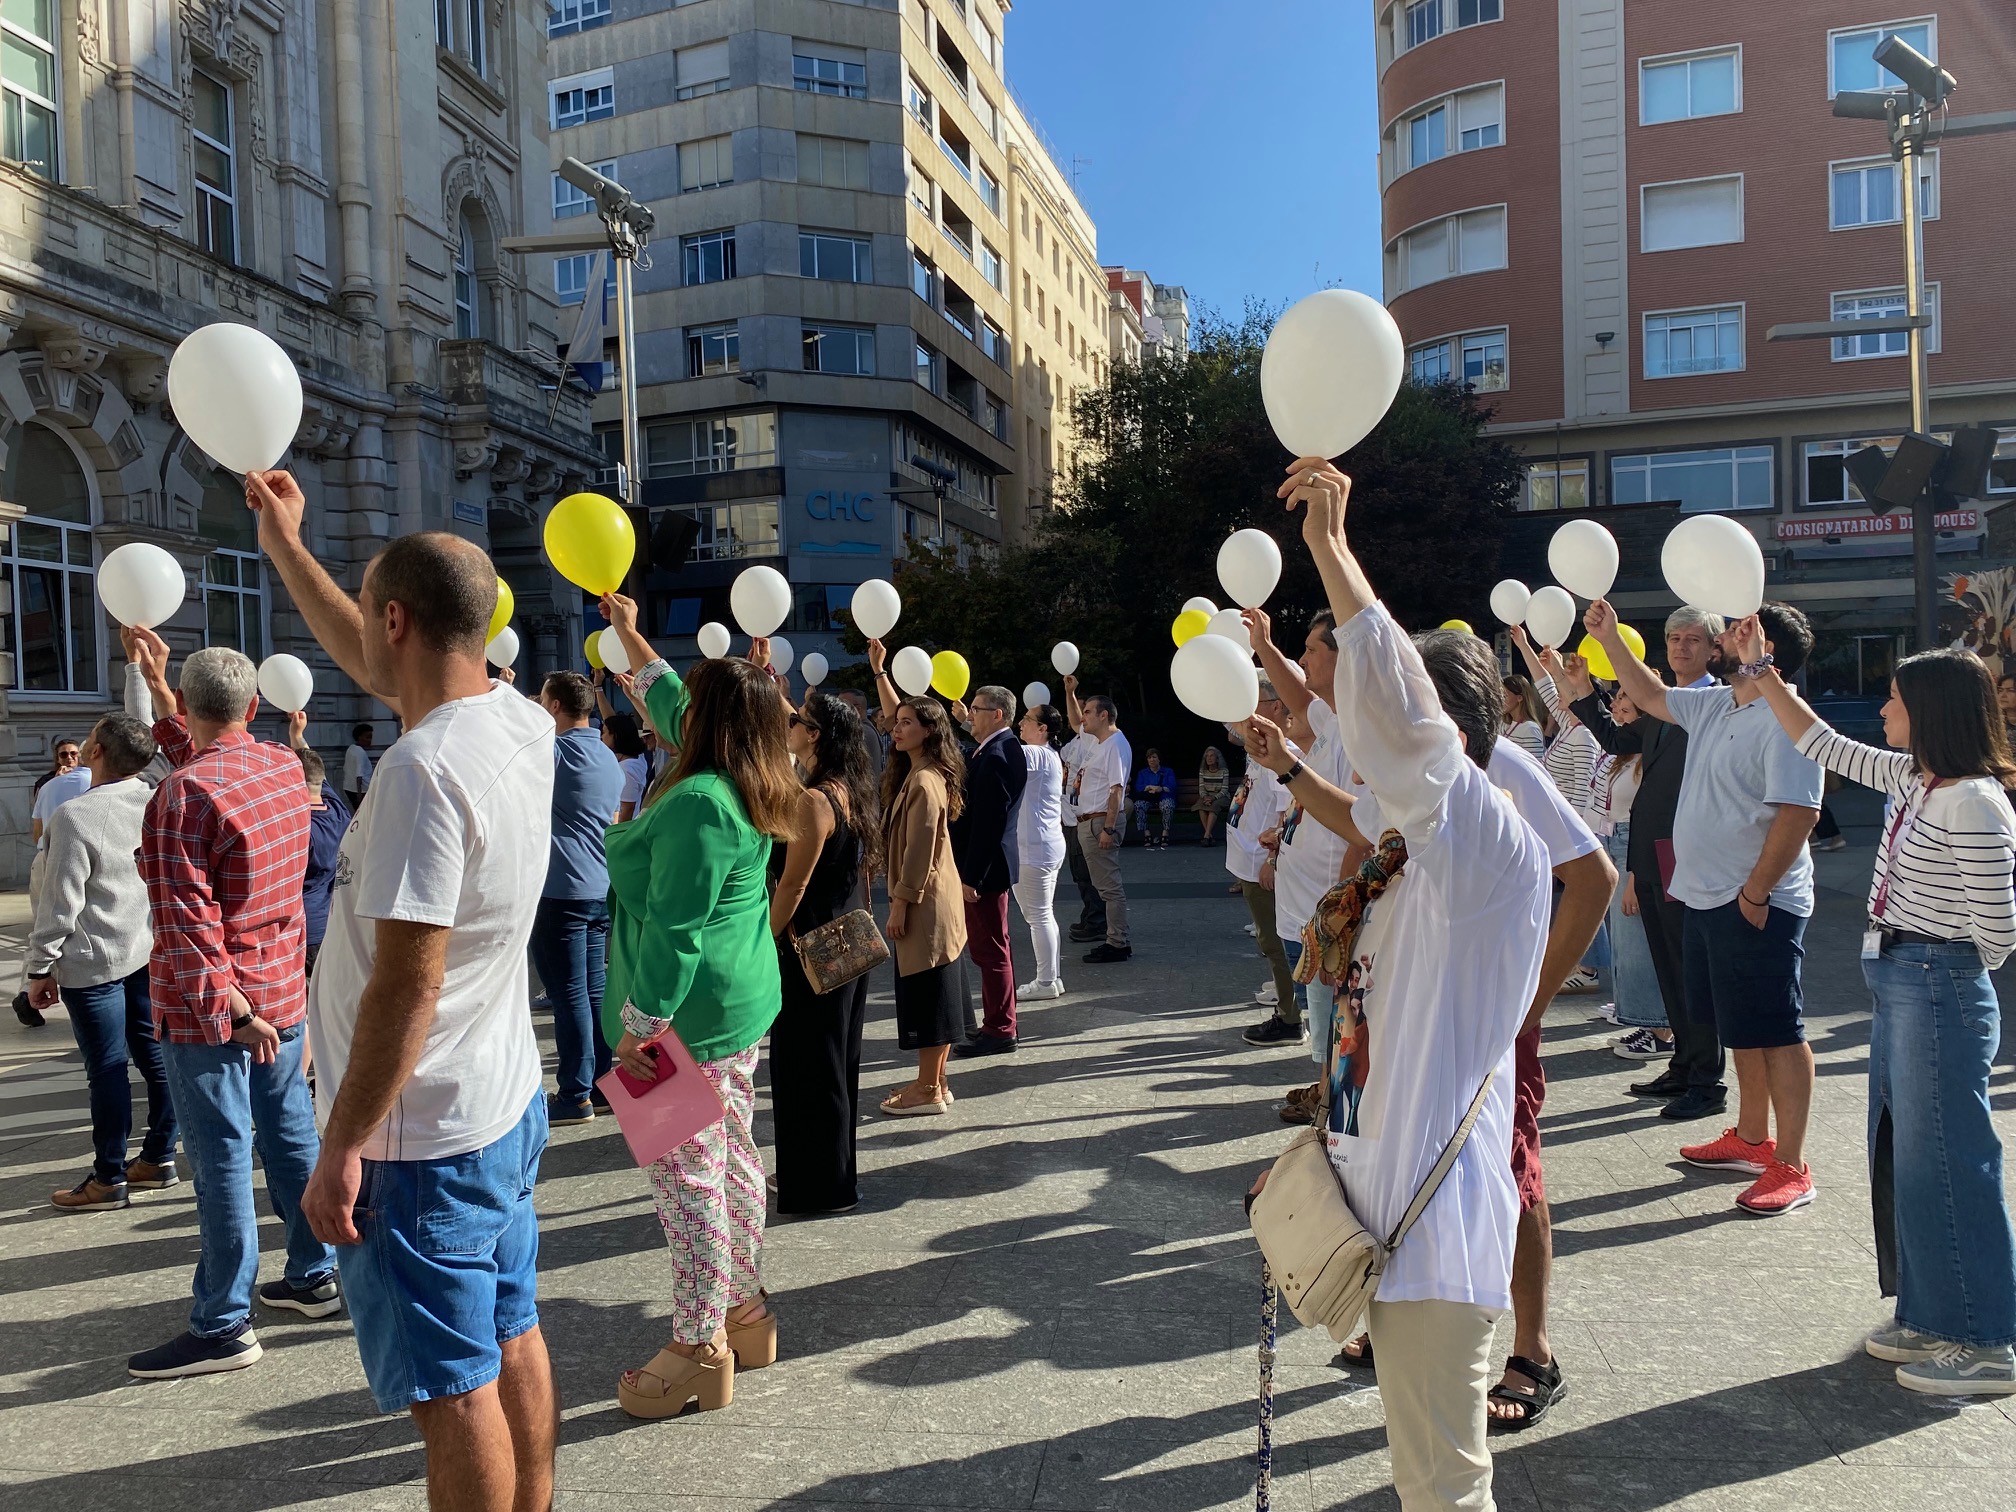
[[1697, 1053], [815, 1090], [1091, 907]]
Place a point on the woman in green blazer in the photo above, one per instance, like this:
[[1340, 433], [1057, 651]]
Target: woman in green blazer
[[690, 949]]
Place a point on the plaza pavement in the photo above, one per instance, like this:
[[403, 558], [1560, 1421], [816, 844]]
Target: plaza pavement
[[1047, 1300]]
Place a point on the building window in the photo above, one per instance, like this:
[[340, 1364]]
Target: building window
[[1463, 122], [701, 70], [990, 192], [719, 443], [821, 73], [1827, 480], [743, 529], [468, 319], [1870, 191], [2002, 466], [923, 193], [1682, 89], [1557, 485], [569, 201], [583, 98], [570, 16], [51, 631], [1473, 242], [991, 268], [1425, 20], [570, 277], [994, 341], [844, 259], [1433, 363], [833, 162], [1876, 304], [1693, 213], [839, 349], [28, 83], [706, 164], [1476, 359], [713, 349], [917, 100], [459, 27], [234, 593], [925, 367], [216, 166], [1851, 54], [1700, 482], [708, 257], [923, 278], [1682, 342]]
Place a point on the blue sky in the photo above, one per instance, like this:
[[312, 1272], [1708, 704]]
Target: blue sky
[[1231, 143]]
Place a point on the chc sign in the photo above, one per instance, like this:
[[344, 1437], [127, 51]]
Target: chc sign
[[832, 504]]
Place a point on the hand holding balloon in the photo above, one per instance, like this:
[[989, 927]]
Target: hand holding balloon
[[759, 651], [1601, 622], [1259, 627], [1324, 491], [281, 506], [150, 653], [878, 656], [1575, 673]]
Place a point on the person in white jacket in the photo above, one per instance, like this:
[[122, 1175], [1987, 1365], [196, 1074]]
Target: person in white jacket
[[89, 945]]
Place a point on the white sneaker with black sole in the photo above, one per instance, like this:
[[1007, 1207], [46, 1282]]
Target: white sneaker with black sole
[[1580, 981], [319, 1299], [193, 1355]]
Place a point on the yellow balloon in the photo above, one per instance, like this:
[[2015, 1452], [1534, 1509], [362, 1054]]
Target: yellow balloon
[[1591, 650], [1463, 625], [506, 607], [950, 675], [594, 650], [590, 542], [1189, 625]]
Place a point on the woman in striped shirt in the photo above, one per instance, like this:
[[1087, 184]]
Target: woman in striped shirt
[[1942, 916]]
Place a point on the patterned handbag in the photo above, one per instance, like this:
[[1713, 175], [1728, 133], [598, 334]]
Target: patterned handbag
[[841, 950]]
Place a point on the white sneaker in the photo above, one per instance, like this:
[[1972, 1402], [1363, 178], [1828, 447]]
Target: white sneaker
[[1267, 997], [1034, 992], [1253, 931], [1580, 980]]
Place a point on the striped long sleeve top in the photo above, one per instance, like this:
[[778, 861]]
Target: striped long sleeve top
[[1950, 868], [1571, 760]]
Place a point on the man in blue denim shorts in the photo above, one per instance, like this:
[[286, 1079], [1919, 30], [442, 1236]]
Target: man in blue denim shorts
[[433, 1119]]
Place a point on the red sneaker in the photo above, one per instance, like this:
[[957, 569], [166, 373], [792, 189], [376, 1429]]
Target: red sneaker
[[1779, 1190], [1731, 1153]]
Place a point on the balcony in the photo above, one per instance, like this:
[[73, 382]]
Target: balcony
[[476, 375]]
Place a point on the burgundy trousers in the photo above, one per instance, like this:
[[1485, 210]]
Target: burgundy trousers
[[987, 945]]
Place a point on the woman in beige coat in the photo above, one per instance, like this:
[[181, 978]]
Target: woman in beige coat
[[922, 793]]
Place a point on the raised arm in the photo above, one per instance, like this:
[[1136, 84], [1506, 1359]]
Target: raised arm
[[1278, 668], [1074, 711], [885, 685], [621, 613], [1636, 679]]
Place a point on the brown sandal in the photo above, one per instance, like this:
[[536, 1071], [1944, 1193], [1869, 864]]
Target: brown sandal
[[664, 1387], [754, 1343]]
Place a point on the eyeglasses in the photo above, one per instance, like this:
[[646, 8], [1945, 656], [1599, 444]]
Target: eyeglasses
[[801, 722]]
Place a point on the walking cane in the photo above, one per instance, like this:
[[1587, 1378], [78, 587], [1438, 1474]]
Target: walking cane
[[1270, 1302]]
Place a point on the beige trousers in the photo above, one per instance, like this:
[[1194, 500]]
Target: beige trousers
[[1434, 1369]]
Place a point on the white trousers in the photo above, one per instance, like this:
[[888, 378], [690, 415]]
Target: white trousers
[[1434, 1370], [1034, 890]]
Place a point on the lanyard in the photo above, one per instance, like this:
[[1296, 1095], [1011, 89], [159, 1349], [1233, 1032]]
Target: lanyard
[[1910, 811]]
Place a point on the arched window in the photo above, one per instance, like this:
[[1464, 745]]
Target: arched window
[[51, 636], [234, 582], [468, 317]]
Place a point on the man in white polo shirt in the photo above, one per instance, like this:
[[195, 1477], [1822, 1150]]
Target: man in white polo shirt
[[1258, 804]]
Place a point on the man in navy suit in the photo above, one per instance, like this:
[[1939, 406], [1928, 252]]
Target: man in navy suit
[[983, 843]]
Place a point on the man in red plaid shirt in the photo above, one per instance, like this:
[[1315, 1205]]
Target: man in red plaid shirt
[[222, 851]]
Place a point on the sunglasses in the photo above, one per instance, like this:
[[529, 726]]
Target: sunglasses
[[801, 722]]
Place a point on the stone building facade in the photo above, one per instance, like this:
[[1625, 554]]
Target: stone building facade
[[341, 176]]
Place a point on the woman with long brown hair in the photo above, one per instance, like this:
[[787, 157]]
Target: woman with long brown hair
[[923, 791], [690, 951]]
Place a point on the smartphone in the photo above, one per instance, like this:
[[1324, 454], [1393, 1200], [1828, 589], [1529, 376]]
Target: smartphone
[[638, 1088]]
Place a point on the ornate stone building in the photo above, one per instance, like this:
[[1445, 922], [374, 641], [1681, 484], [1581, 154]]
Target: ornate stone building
[[339, 175]]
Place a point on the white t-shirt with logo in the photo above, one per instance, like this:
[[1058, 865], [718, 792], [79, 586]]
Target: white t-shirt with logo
[[1109, 764], [1257, 803], [455, 833], [1073, 755], [1311, 856]]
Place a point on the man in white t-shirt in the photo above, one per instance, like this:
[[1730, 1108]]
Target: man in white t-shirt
[[1091, 925], [357, 765], [1102, 819], [431, 1111], [1258, 803]]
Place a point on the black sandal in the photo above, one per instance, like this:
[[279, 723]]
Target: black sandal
[[1548, 1388], [1358, 1351]]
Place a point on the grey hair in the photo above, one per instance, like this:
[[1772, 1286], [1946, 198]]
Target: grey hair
[[1687, 617], [219, 684], [1268, 692], [1000, 698]]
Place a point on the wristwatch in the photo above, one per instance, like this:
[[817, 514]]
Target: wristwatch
[[1293, 772]]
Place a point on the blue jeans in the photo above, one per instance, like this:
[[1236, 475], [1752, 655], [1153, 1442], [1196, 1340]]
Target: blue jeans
[[1634, 981], [570, 951], [112, 1021], [228, 1107], [1943, 1245], [445, 1272], [1317, 1003]]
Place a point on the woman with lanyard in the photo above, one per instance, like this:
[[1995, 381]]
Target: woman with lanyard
[[1941, 917]]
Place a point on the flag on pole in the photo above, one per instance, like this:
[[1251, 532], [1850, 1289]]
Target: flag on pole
[[591, 329]]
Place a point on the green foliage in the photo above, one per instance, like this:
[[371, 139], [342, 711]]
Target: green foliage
[[1180, 455]]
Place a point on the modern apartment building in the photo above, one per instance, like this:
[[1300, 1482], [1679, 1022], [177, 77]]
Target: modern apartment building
[[1594, 209], [1147, 320], [865, 256]]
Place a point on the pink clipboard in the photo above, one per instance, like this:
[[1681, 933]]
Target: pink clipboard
[[658, 1117]]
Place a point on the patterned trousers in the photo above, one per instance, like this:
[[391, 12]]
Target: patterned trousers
[[710, 1200]]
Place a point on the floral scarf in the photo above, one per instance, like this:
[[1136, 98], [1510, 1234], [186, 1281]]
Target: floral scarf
[[1327, 937]]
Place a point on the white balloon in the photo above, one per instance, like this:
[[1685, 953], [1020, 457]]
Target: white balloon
[[1226, 622], [876, 608], [1509, 600], [1215, 679], [760, 599], [1036, 695], [911, 667], [614, 657], [713, 639], [237, 394], [1713, 563], [1583, 556], [1249, 565], [1331, 368], [286, 682], [503, 648], [1550, 616], [781, 654], [141, 585], [1064, 657], [813, 669], [1201, 604]]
